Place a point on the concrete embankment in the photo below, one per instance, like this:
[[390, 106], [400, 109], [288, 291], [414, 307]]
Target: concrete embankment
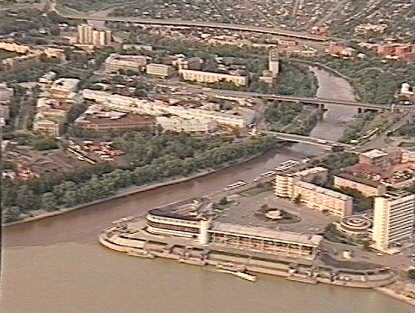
[[393, 294], [301, 270]]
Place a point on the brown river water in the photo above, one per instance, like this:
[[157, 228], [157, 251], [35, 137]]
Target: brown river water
[[56, 265]]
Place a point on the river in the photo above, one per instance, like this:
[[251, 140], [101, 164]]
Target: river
[[55, 265]]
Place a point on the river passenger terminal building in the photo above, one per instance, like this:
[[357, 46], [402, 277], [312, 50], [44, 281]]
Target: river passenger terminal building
[[248, 238]]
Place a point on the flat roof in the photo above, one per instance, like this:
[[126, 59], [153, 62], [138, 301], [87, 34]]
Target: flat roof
[[324, 191], [263, 232], [375, 153], [359, 180], [313, 170]]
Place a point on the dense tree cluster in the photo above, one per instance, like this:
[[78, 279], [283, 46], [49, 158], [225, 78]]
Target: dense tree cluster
[[336, 161], [357, 128], [150, 160], [407, 130], [283, 113]]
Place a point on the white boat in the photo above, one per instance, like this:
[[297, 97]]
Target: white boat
[[235, 185], [242, 275], [140, 253]]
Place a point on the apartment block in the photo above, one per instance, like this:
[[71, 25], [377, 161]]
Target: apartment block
[[158, 108], [284, 183], [274, 62], [178, 124], [47, 127], [116, 62], [375, 158], [393, 220], [87, 35], [209, 77], [367, 187], [159, 70], [323, 199]]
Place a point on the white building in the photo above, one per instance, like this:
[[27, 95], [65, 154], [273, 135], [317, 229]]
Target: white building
[[324, 199], [178, 124], [158, 108], [274, 62], [116, 62], [209, 77], [393, 220], [284, 183], [64, 87], [159, 69]]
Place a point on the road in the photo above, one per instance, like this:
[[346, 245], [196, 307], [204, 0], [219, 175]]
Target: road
[[306, 139], [319, 101], [177, 22]]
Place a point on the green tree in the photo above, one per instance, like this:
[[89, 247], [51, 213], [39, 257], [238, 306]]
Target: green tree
[[49, 202], [26, 199]]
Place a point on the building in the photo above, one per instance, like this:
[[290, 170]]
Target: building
[[285, 182], [393, 220], [159, 108], [355, 226], [367, 187], [274, 62], [189, 64], [4, 112], [87, 35], [47, 79], [395, 51], [337, 49], [186, 219], [64, 87], [178, 124], [21, 61], [408, 156], [99, 120], [116, 62], [6, 94], [55, 54], [159, 70], [47, 127], [209, 77], [323, 199], [376, 158]]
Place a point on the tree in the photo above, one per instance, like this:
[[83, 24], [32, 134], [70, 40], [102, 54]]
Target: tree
[[49, 202], [297, 199], [11, 214], [411, 274], [26, 199]]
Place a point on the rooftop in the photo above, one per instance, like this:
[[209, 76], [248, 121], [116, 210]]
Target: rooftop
[[262, 232], [360, 180], [65, 84], [324, 191], [374, 154], [309, 171]]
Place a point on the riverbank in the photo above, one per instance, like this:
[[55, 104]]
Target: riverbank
[[133, 237], [392, 293], [135, 240], [356, 93], [132, 190]]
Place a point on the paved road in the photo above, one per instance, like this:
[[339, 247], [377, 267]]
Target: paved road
[[177, 22], [321, 101]]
